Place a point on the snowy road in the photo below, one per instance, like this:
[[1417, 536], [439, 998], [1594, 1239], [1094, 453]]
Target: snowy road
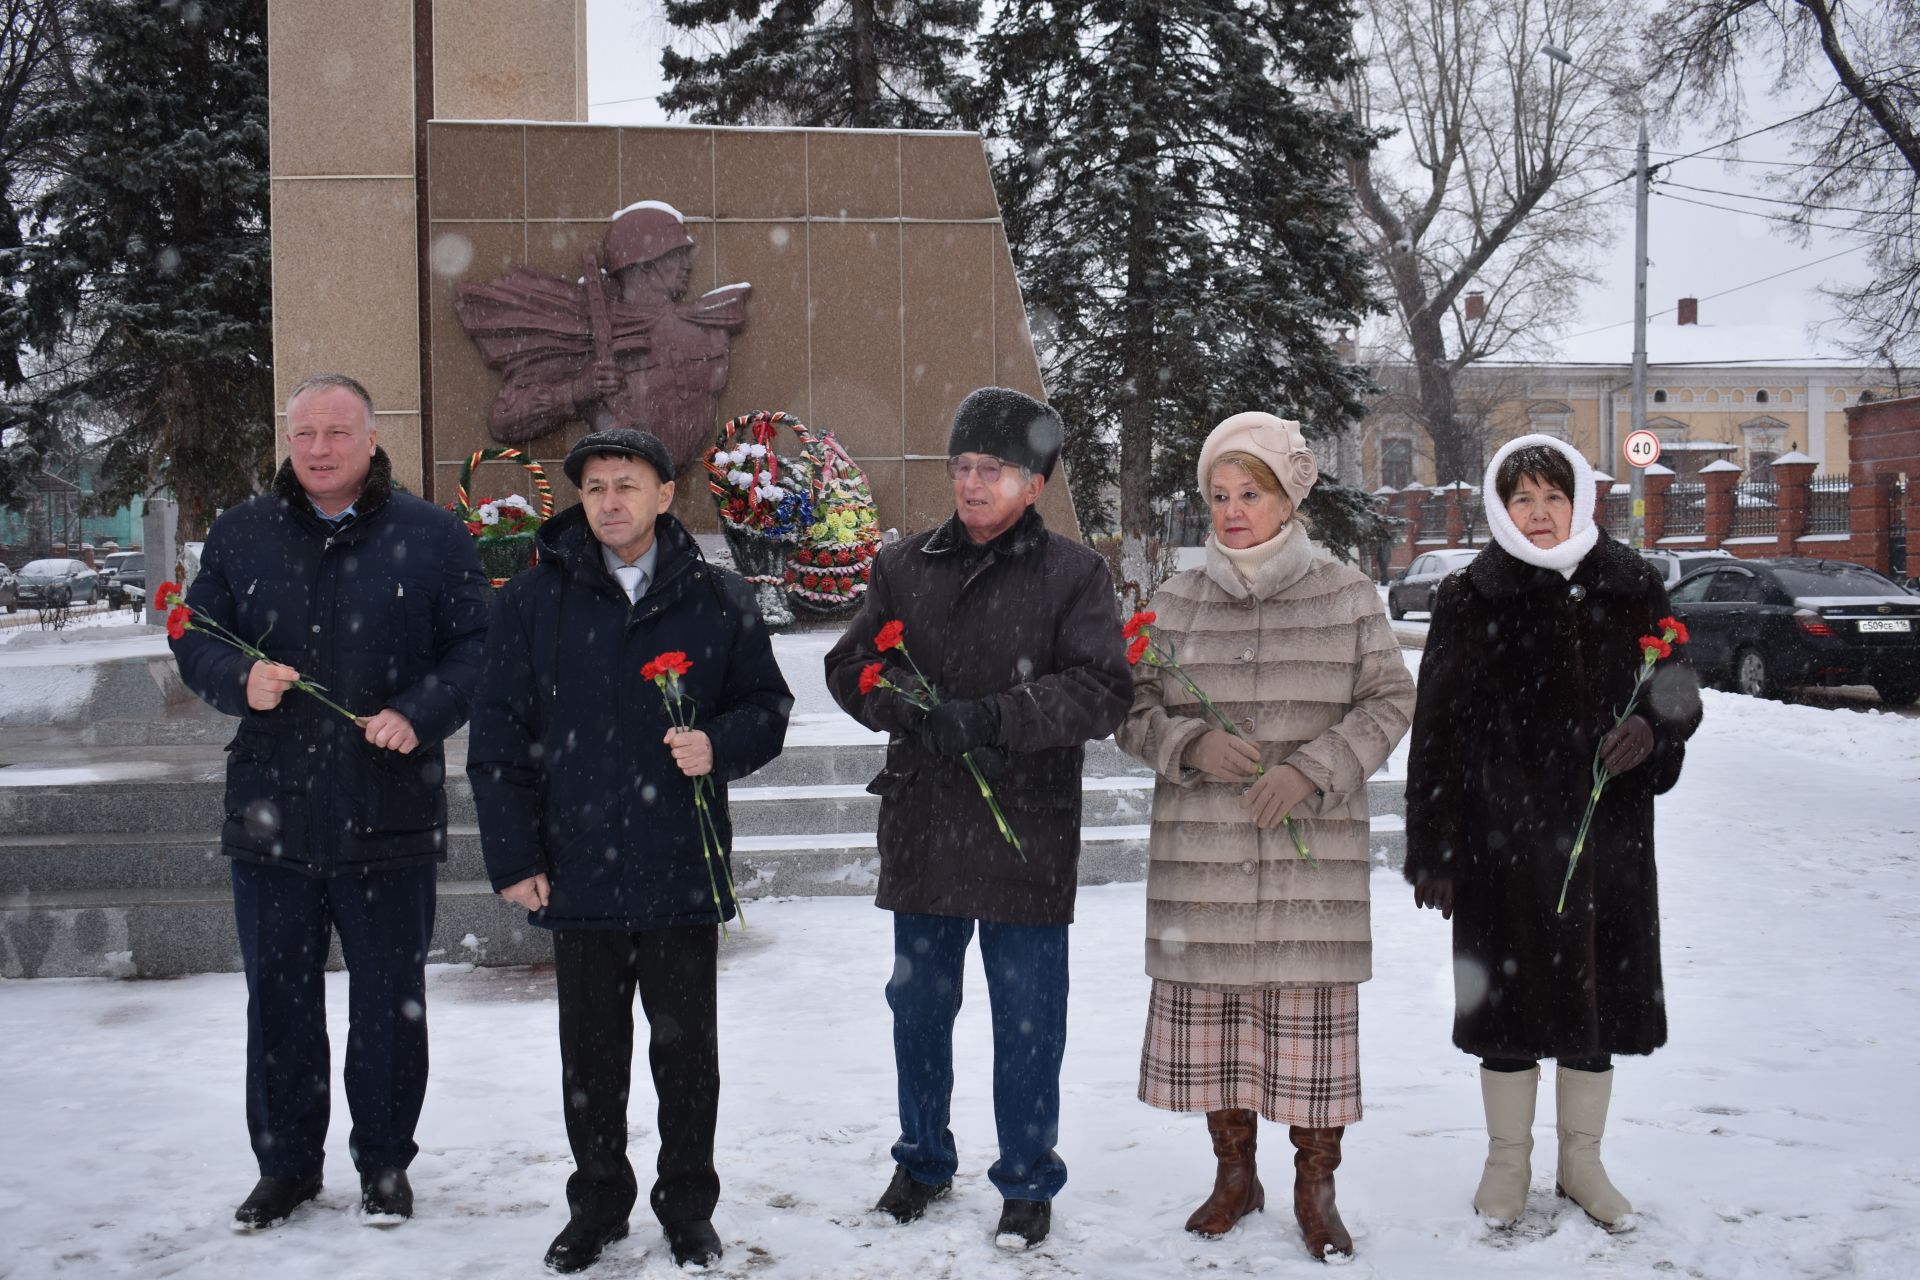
[[1774, 1137]]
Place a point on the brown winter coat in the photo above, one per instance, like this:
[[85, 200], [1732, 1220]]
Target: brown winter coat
[[1029, 621], [1306, 664], [1524, 672]]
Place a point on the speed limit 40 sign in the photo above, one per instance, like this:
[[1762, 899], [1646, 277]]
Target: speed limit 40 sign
[[1641, 448]]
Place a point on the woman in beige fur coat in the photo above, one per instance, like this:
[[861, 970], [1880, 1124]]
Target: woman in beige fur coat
[[1256, 953]]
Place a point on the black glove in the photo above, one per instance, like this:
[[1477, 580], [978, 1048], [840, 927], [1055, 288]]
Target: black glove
[[1627, 746], [962, 725], [1436, 893]]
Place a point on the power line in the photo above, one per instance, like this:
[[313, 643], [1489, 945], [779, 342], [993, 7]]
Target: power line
[[1741, 195], [1777, 217], [1723, 293]]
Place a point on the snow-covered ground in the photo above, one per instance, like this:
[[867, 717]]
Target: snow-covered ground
[[1774, 1137]]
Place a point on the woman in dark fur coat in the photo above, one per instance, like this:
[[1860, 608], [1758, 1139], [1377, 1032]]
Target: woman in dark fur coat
[[1532, 654]]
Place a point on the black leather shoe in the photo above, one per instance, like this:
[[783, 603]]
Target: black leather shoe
[[578, 1246], [386, 1197], [694, 1244], [273, 1200], [1023, 1223], [906, 1198]]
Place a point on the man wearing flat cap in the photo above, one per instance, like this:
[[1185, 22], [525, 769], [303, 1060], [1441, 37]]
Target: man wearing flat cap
[[1018, 630], [586, 803]]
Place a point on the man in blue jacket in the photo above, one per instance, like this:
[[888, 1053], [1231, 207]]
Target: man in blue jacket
[[335, 820], [587, 818]]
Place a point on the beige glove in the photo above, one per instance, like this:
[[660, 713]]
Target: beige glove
[[1222, 756], [1274, 793]]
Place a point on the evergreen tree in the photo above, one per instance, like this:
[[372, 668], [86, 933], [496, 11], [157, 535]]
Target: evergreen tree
[[864, 64], [1171, 178], [151, 272]]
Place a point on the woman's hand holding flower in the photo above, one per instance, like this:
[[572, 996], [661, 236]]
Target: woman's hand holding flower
[[1274, 794], [1627, 745], [1223, 757]]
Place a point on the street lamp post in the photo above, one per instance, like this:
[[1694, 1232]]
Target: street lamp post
[[1637, 476]]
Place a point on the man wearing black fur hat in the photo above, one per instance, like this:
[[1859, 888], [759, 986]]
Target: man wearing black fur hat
[[585, 794], [1018, 631], [334, 824]]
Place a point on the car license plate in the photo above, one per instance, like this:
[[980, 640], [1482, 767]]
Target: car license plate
[[1885, 624]]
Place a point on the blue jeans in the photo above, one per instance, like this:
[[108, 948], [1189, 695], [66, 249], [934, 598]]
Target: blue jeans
[[1026, 969], [385, 922]]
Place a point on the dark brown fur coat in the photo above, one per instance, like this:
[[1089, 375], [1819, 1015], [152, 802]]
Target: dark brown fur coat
[[1524, 673]]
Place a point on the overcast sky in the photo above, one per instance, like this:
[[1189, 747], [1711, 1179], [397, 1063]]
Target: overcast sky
[[1692, 250]]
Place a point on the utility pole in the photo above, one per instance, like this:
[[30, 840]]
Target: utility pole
[[1642, 179]]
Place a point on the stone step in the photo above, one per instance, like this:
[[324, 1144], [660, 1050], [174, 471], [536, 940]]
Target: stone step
[[178, 928]]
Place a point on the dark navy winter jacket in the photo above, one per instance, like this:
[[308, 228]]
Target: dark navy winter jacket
[[571, 773], [387, 610]]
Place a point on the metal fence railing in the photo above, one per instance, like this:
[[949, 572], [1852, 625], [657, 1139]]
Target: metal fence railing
[[1616, 510], [1433, 519], [1829, 502], [1754, 512], [1686, 510]]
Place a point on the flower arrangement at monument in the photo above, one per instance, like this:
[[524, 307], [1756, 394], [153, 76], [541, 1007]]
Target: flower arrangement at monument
[[803, 528], [503, 528], [829, 571]]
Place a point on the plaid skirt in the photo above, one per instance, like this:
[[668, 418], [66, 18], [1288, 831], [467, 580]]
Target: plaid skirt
[[1290, 1053]]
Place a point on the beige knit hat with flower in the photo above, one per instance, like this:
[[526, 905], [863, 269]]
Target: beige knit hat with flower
[[1275, 441]]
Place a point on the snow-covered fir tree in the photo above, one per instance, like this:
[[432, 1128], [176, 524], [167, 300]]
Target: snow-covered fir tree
[[1171, 178], [150, 271], [864, 64]]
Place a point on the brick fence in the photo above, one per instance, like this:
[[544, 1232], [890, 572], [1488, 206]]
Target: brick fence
[[1861, 517]]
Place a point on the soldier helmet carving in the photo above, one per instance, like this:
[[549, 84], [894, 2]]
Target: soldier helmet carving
[[644, 232]]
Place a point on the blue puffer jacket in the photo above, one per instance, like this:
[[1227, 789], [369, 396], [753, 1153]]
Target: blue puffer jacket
[[388, 610], [570, 770]]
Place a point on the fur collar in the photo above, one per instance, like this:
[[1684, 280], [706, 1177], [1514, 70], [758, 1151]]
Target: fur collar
[[1609, 569], [373, 495], [1291, 561]]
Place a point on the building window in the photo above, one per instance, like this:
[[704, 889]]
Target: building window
[[1759, 397], [1660, 397], [1396, 463]]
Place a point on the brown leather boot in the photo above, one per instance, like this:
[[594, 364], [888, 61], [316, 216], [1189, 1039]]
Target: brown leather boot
[[1236, 1186], [1316, 1156]]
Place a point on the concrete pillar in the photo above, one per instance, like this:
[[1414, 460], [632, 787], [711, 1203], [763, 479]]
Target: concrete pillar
[[1791, 499], [158, 526], [1659, 479], [1721, 479]]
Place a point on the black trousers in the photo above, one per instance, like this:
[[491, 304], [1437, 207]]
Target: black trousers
[[385, 923], [596, 972]]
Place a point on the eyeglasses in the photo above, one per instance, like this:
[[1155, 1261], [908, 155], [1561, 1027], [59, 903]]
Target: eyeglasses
[[988, 469]]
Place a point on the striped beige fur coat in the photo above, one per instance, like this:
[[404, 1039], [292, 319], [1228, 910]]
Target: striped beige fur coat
[[1304, 662]]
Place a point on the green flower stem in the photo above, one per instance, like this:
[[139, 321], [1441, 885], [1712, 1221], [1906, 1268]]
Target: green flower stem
[[1601, 776], [1155, 656], [207, 626], [932, 700]]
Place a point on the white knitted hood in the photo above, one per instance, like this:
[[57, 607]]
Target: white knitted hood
[[1581, 534]]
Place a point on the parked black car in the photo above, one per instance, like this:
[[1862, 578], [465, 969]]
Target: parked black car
[[1674, 565], [1411, 590], [57, 583], [1766, 625], [125, 575]]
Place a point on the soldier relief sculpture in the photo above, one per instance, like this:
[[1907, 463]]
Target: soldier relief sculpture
[[620, 347]]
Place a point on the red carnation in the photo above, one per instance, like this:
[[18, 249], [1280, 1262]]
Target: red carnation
[[870, 676], [804, 555], [891, 635], [1655, 647], [844, 556], [164, 594], [177, 621], [674, 662], [811, 581], [1137, 649], [1677, 627], [1137, 623]]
